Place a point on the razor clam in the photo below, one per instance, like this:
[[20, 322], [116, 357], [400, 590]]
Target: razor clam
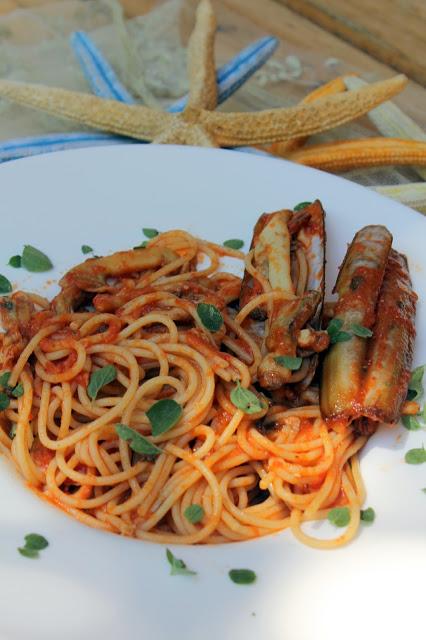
[[358, 285], [390, 350], [288, 252]]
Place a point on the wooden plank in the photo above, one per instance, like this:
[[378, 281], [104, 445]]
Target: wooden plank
[[391, 31], [312, 44]]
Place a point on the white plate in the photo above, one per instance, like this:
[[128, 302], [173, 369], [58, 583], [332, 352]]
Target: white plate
[[89, 584]]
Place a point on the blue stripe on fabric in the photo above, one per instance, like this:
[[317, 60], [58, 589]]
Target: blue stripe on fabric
[[99, 73]]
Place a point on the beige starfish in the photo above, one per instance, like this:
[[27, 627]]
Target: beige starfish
[[199, 124]]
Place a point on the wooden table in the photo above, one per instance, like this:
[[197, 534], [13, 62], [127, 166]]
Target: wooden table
[[399, 39]]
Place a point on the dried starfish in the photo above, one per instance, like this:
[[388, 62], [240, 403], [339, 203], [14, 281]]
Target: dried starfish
[[198, 124], [345, 155], [337, 85]]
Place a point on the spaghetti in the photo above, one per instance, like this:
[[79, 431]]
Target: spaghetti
[[252, 473]]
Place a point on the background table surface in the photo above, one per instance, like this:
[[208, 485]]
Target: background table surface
[[329, 37]]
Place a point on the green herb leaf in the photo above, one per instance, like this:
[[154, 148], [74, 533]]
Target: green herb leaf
[[335, 333], [415, 386], [368, 515], [100, 378], [35, 260], [424, 490], [342, 336], [150, 233], [5, 285], [301, 205], [415, 456], [356, 282], [178, 567], [142, 245], [245, 400], [18, 391], [35, 542], [7, 304], [163, 415], [361, 331], [210, 316], [86, 249], [15, 262], [411, 423], [137, 442], [334, 326], [4, 378], [340, 516], [242, 576], [289, 362], [194, 513], [4, 401], [28, 553], [234, 243]]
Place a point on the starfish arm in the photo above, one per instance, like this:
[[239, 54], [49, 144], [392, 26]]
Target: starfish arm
[[237, 70], [134, 121], [201, 66], [99, 74], [391, 121], [337, 85], [274, 125], [345, 155]]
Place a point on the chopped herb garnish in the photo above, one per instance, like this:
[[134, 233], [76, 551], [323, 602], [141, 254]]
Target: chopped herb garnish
[[15, 262], [361, 331], [335, 333], [368, 515], [150, 233], [339, 516], [194, 513], [34, 260], [411, 423], [342, 336], [18, 391], [4, 401], [85, 248], [334, 326], [210, 316], [4, 378], [99, 379], [242, 576], [142, 245], [4, 383], [34, 543], [289, 362], [163, 415], [355, 282], [301, 205], [415, 385], [5, 285], [233, 243], [245, 400], [177, 566], [28, 553], [416, 456], [138, 442]]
